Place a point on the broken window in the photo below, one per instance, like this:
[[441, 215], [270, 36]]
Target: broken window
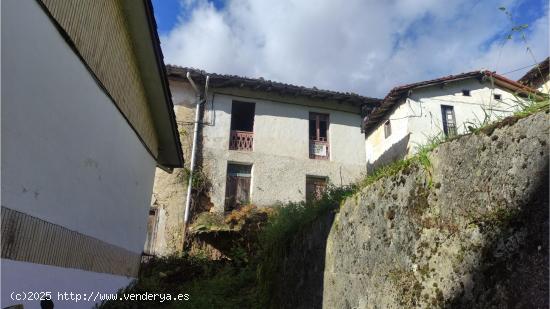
[[152, 222], [237, 188], [318, 136], [449, 122], [242, 126], [315, 187], [387, 129]]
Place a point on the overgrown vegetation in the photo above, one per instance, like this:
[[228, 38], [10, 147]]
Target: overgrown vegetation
[[286, 222], [247, 277]]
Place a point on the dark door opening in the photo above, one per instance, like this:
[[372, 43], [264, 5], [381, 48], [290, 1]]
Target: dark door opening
[[242, 126]]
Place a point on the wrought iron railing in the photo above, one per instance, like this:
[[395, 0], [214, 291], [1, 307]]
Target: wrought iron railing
[[241, 140]]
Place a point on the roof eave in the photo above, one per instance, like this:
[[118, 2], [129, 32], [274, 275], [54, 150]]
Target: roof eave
[[142, 29]]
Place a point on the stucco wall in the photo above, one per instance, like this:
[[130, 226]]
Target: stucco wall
[[381, 150], [280, 158], [281, 150], [68, 155], [422, 113]]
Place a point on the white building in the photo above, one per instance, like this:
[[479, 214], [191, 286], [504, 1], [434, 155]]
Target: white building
[[411, 115], [262, 142], [83, 128]]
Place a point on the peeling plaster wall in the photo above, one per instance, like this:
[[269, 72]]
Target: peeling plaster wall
[[170, 189], [418, 118], [280, 157]]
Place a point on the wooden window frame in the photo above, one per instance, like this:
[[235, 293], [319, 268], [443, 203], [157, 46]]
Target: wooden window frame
[[230, 202], [449, 131], [317, 193], [317, 140], [152, 229]]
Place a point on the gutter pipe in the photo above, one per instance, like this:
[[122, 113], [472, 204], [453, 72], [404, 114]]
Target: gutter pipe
[[193, 149]]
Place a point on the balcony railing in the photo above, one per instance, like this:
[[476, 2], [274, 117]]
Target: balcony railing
[[241, 140], [318, 149]]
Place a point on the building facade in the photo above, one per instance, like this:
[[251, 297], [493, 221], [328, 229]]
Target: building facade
[[261, 143], [413, 115], [82, 132]]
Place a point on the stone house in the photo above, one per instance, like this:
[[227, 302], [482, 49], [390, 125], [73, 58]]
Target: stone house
[[538, 77], [261, 142], [86, 117], [410, 115]]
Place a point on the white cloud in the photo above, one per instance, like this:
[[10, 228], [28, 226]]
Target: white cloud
[[366, 47]]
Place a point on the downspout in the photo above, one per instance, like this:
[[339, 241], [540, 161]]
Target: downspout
[[193, 151]]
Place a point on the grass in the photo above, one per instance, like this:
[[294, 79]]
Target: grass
[[250, 282], [533, 107], [239, 283], [421, 158], [287, 221], [526, 107], [208, 284]]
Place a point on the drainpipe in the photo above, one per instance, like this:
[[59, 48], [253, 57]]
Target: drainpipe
[[193, 150]]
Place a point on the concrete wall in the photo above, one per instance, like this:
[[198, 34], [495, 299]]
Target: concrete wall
[[281, 149], [68, 155], [419, 117]]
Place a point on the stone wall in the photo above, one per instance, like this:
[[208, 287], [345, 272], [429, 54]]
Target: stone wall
[[469, 231]]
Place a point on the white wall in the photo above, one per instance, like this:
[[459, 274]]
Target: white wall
[[68, 155], [280, 157], [545, 87], [391, 147], [418, 118], [44, 278]]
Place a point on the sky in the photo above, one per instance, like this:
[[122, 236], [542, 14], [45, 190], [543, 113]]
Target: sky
[[361, 46]]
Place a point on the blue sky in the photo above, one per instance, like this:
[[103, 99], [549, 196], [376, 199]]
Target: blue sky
[[366, 47]]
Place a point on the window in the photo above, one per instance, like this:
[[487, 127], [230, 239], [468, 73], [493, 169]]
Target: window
[[449, 123], [237, 188], [497, 96], [318, 136], [466, 92], [387, 129], [242, 126], [315, 187]]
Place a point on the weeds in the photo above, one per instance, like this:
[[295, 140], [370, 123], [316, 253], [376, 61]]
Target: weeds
[[287, 221]]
